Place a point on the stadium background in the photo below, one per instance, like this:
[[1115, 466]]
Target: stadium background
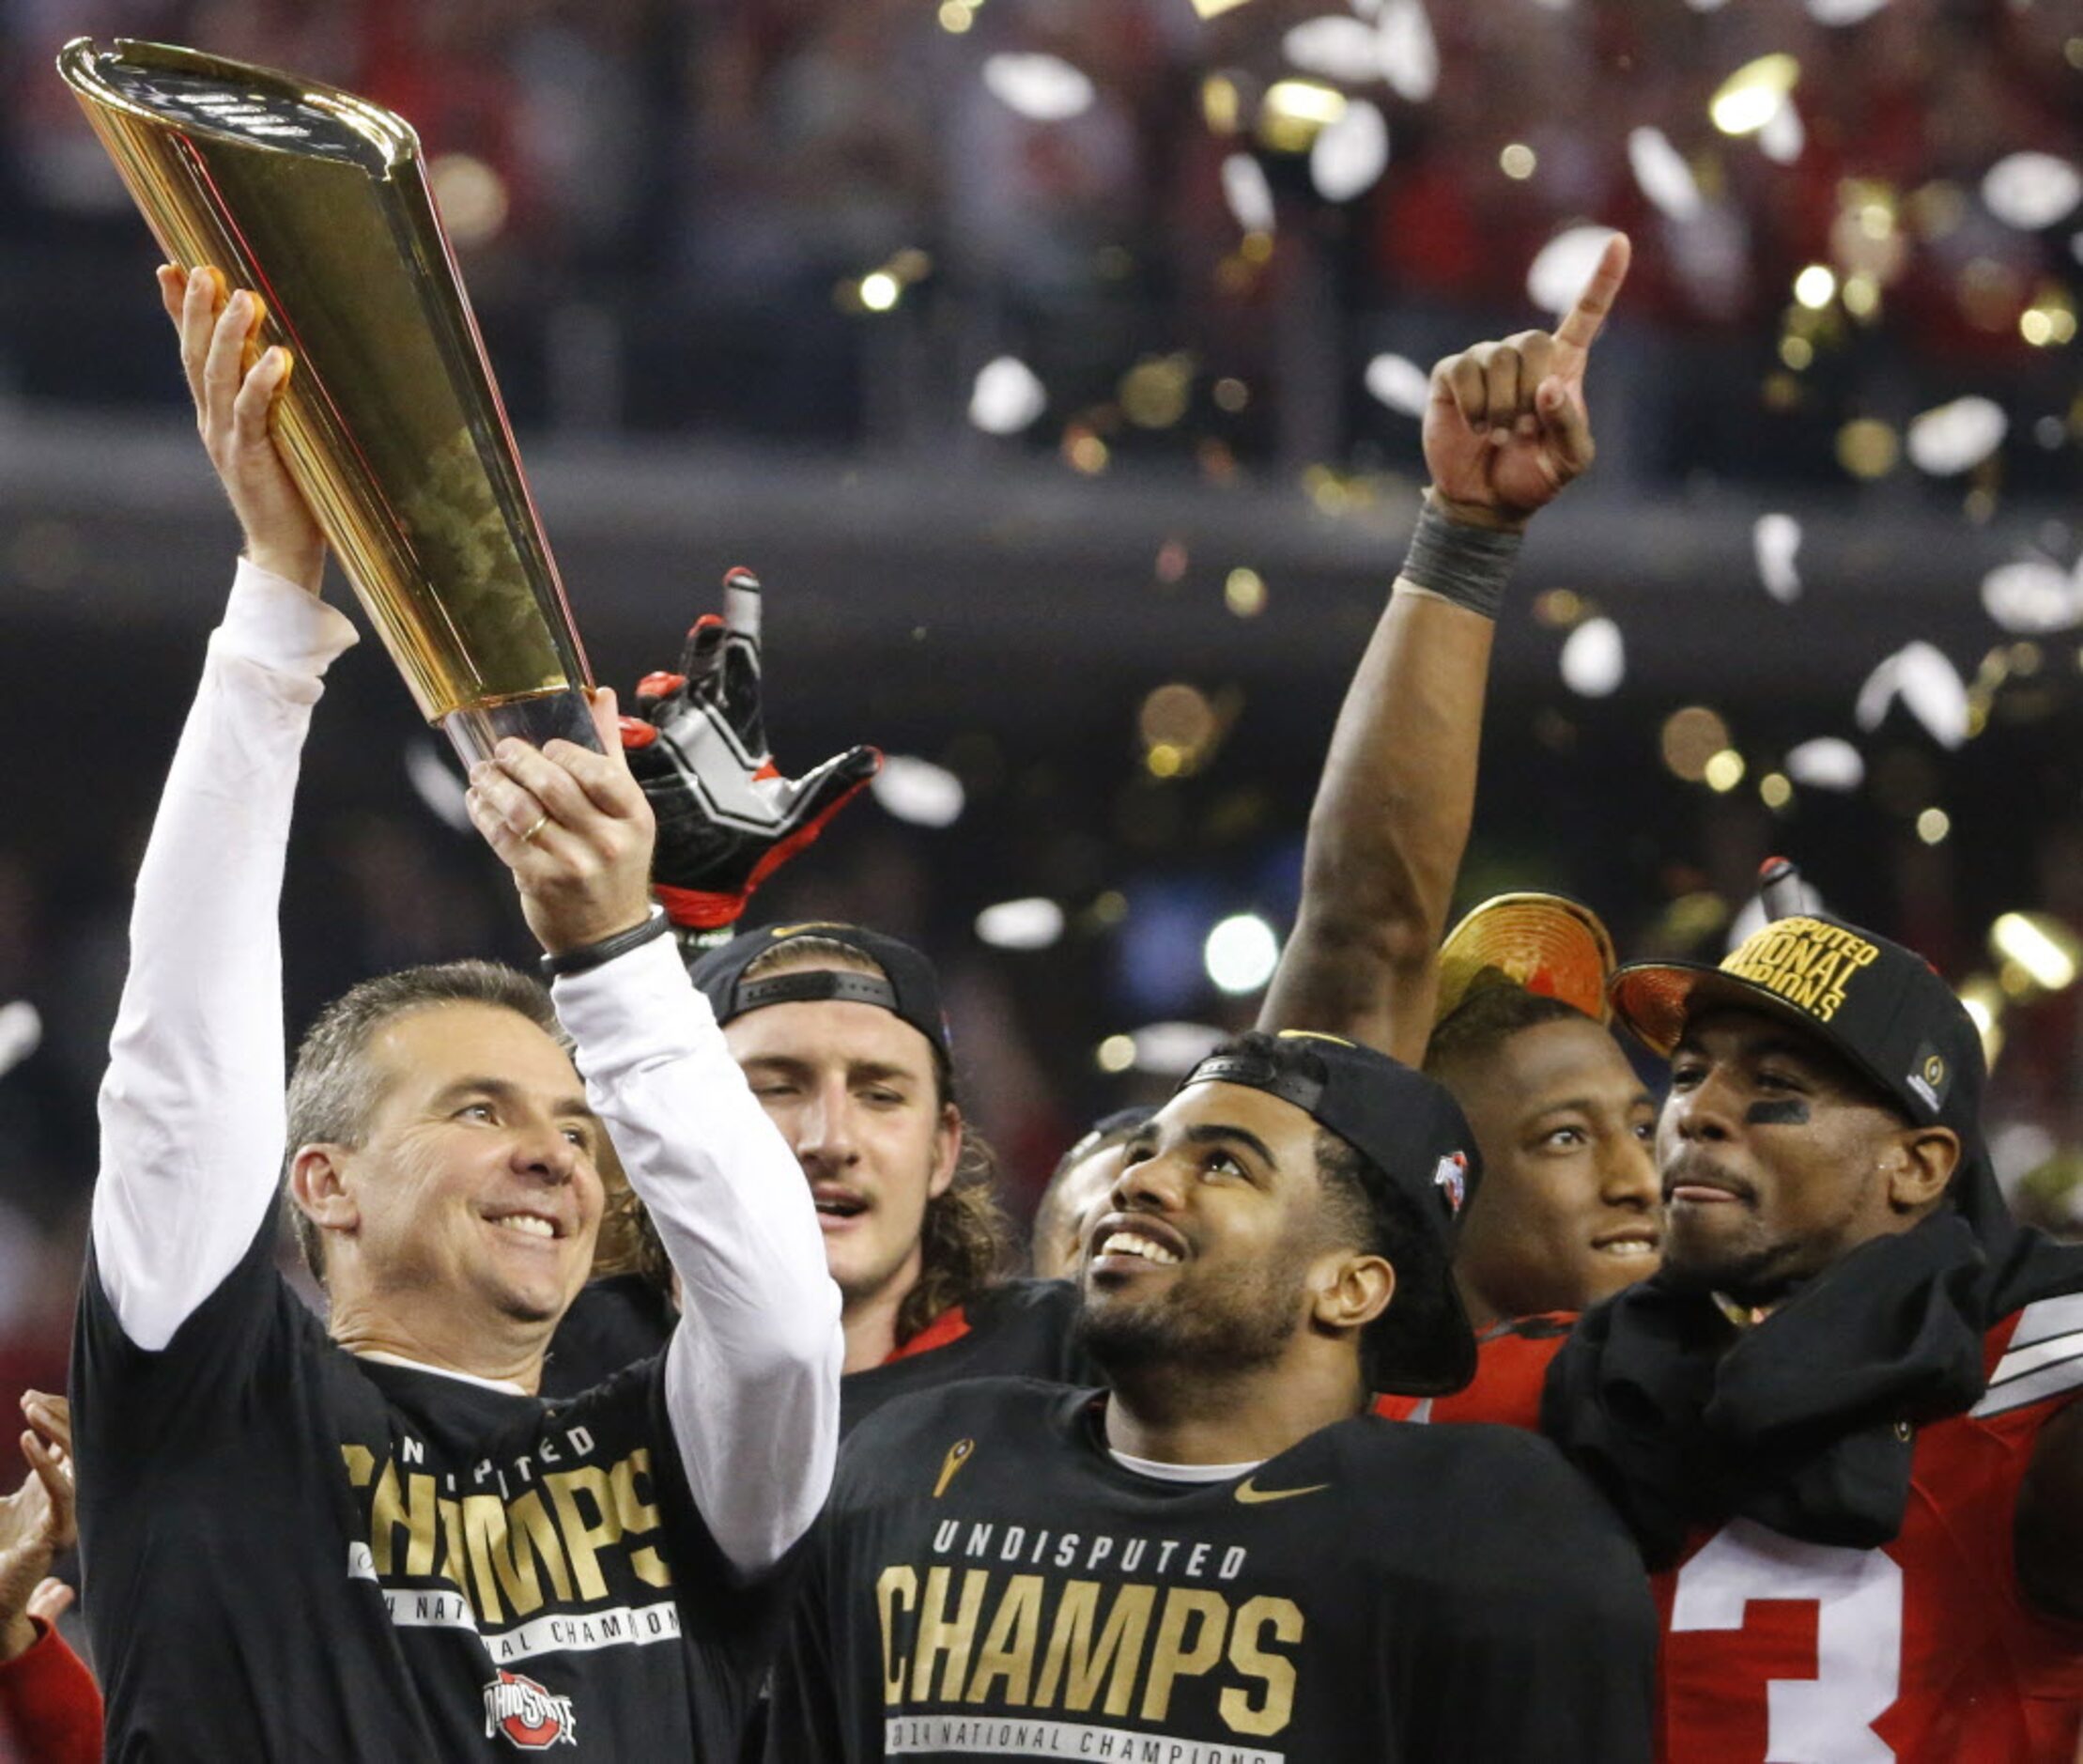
[[1054, 362]]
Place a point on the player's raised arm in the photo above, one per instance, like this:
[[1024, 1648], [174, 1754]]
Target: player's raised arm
[[191, 1107], [1505, 431], [752, 1370]]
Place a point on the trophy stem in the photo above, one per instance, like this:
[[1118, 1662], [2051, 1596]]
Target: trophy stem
[[476, 729]]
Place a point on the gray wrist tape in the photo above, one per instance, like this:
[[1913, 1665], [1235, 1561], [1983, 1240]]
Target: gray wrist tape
[[1468, 565]]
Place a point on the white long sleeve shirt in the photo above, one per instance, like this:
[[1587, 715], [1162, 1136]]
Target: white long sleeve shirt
[[193, 1124]]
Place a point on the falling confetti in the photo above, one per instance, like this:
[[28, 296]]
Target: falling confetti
[[20, 1033], [1399, 383], [1841, 12], [1955, 436], [1410, 56], [1594, 659], [1042, 89], [1776, 541], [1007, 397], [1928, 686], [1661, 173], [1248, 193], [918, 791], [2030, 190], [1351, 154], [1755, 93], [1032, 923], [1827, 762], [2033, 597], [1564, 266], [1336, 48]]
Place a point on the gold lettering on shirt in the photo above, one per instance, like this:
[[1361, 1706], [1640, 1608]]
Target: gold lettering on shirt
[[1009, 1648], [1126, 1648], [1282, 1617], [937, 1636]]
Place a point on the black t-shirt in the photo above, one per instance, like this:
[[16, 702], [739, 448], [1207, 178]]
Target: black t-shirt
[[1017, 1329], [988, 1582], [614, 1322], [295, 1554]]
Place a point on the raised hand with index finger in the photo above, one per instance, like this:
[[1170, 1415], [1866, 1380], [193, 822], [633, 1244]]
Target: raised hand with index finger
[[1506, 427]]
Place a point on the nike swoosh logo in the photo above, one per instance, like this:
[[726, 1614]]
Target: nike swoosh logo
[[1250, 1497]]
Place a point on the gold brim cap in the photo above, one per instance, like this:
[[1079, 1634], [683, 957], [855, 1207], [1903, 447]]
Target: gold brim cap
[[1547, 943]]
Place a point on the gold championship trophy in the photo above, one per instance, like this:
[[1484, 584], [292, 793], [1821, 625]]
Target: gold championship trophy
[[392, 425]]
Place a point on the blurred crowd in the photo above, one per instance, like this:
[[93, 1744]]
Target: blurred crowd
[[714, 179], [735, 169]]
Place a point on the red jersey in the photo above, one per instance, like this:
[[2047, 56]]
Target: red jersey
[[1511, 1366], [1922, 1650]]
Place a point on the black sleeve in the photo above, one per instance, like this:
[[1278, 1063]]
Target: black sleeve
[[804, 1723], [1545, 1640], [131, 1405]]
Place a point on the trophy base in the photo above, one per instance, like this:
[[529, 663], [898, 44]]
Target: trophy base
[[476, 729]]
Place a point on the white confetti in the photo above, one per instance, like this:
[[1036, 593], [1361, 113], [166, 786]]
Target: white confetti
[[1956, 437], [1842, 12], [1783, 136], [1776, 542], [1171, 1050], [1248, 193], [1347, 158], [436, 784], [2029, 191], [1929, 686], [1033, 923], [1007, 397], [1564, 266], [1334, 48], [1042, 89], [2033, 597], [1399, 383], [918, 791], [1594, 660], [1827, 762], [20, 1033], [1410, 56], [1662, 174]]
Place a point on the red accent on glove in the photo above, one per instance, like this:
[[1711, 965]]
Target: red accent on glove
[[636, 733], [781, 852], [766, 771], [697, 908], [660, 685], [737, 575]]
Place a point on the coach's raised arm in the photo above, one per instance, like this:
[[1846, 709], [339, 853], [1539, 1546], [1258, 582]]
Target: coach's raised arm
[[367, 1537]]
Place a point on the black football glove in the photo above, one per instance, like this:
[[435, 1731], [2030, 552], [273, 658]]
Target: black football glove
[[727, 818]]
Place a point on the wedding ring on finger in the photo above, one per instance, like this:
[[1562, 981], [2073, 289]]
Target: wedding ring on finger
[[541, 821]]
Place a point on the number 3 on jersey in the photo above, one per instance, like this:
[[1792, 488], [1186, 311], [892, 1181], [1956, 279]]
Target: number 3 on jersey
[[1858, 1597]]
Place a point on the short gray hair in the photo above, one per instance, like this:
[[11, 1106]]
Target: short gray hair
[[334, 1089]]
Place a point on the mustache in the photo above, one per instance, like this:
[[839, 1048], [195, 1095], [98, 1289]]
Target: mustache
[[1695, 1167]]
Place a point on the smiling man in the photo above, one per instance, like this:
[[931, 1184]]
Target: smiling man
[[1222, 1555], [840, 1033], [372, 1539], [1843, 1419]]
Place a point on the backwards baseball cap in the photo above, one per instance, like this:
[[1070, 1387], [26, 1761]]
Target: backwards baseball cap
[[1547, 943], [1411, 1130], [1879, 1006], [907, 986]]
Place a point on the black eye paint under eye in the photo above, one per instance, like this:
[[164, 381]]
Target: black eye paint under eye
[[1789, 1111]]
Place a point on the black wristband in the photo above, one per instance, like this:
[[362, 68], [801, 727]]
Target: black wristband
[[588, 956], [1468, 565]]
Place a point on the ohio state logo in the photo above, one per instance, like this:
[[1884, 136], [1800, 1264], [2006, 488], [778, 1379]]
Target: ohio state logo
[[527, 1714]]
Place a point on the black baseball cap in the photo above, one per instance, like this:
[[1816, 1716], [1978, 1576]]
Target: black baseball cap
[[908, 988], [1880, 1007], [1414, 1132]]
